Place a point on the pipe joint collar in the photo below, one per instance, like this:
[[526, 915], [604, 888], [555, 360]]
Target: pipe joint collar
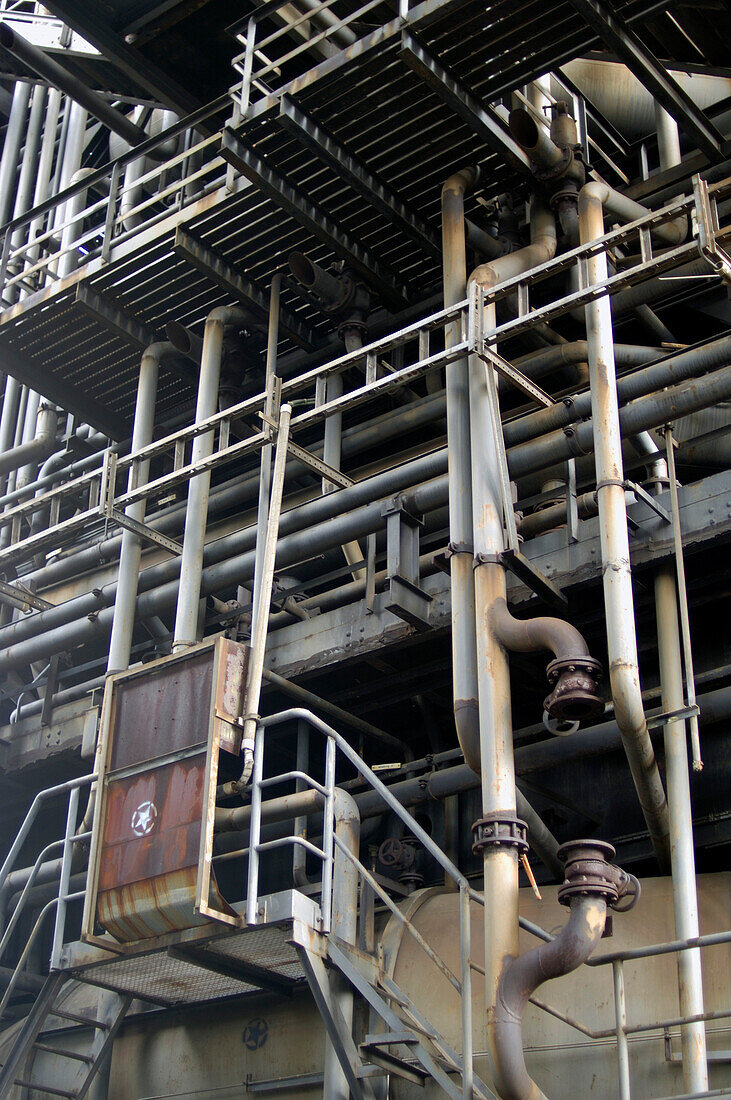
[[575, 696], [589, 872], [499, 830]]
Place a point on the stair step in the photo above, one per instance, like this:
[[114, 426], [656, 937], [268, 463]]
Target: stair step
[[37, 1086], [389, 1038], [391, 1063], [75, 1017], [61, 1053]]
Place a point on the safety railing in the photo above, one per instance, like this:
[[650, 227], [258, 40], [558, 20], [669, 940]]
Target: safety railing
[[136, 192], [337, 747], [285, 38], [57, 905], [622, 1030], [398, 361]]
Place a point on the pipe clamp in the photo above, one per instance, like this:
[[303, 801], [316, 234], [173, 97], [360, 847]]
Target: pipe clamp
[[496, 830]]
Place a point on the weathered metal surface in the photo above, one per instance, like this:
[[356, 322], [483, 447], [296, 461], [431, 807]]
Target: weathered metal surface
[[233, 662], [167, 710]]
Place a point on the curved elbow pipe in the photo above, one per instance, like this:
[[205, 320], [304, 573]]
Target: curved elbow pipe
[[520, 979], [627, 210], [573, 674], [38, 448]]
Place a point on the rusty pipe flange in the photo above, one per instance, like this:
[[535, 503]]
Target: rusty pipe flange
[[575, 696], [499, 829], [589, 872]]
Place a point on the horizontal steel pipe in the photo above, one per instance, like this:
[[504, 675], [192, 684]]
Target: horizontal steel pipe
[[647, 412]]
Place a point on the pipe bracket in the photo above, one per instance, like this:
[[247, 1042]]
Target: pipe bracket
[[496, 830]]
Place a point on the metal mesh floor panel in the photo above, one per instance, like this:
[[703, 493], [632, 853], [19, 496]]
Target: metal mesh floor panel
[[164, 979]]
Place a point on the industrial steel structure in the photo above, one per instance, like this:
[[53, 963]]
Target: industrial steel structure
[[365, 500]]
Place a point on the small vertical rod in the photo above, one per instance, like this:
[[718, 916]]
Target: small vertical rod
[[466, 979], [63, 886], [327, 836], [683, 601], [620, 1013], [252, 888], [265, 467]]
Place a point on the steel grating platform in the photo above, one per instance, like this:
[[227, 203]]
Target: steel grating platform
[[381, 111], [203, 964]]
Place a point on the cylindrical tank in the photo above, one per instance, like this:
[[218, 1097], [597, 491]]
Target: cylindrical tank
[[275, 1045]]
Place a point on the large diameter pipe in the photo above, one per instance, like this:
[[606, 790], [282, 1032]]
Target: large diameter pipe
[[37, 448], [120, 645], [496, 749], [186, 619], [624, 676], [14, 134], [39, 62], [55, 630], [461, 546], [690, 976]]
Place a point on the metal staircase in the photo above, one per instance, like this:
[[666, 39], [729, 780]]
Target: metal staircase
[[33, 1039]]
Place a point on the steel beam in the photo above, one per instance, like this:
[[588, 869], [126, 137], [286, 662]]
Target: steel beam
[[313, 218], [623, 41], [388, 202], [103, 309], [212, 264], [88, 20], [62, 392], [482, 118]]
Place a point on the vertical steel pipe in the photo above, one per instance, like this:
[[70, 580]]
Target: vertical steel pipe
[[186, 619], [120, 645], [265, 465], [624, 675], [493, 674], [685, 898], [11, 148], [464, 654]]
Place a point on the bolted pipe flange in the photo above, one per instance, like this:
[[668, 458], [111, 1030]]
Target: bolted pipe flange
[[575, 696], [589, 872], [499, 830]]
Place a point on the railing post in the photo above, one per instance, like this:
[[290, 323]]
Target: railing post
[[111, 207], [252, 889], [466, 982], [327, 837], [620, 1015], [65, 878]]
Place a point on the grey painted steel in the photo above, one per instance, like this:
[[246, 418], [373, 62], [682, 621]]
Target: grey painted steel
[[120, 644], [677, 778], [39, 62], [14, 134], [186, 619], [646, 412], [265, 462], [461, 542], [623, 41], [38, 447], [624, 675]]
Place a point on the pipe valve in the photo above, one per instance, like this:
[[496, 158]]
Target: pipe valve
[[589, 872], [575, 695]]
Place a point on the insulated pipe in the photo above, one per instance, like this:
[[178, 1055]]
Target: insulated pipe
[[461, 546], [668, 147], [535, 140], [520, 979], [685, 898], [8, 418], [46, 630], [186, 619], [26, 182], [496, 748], [36, 449], [39, 62], [14, 135], [624, 676], [627, 210], [74, 227], [120, 645]]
